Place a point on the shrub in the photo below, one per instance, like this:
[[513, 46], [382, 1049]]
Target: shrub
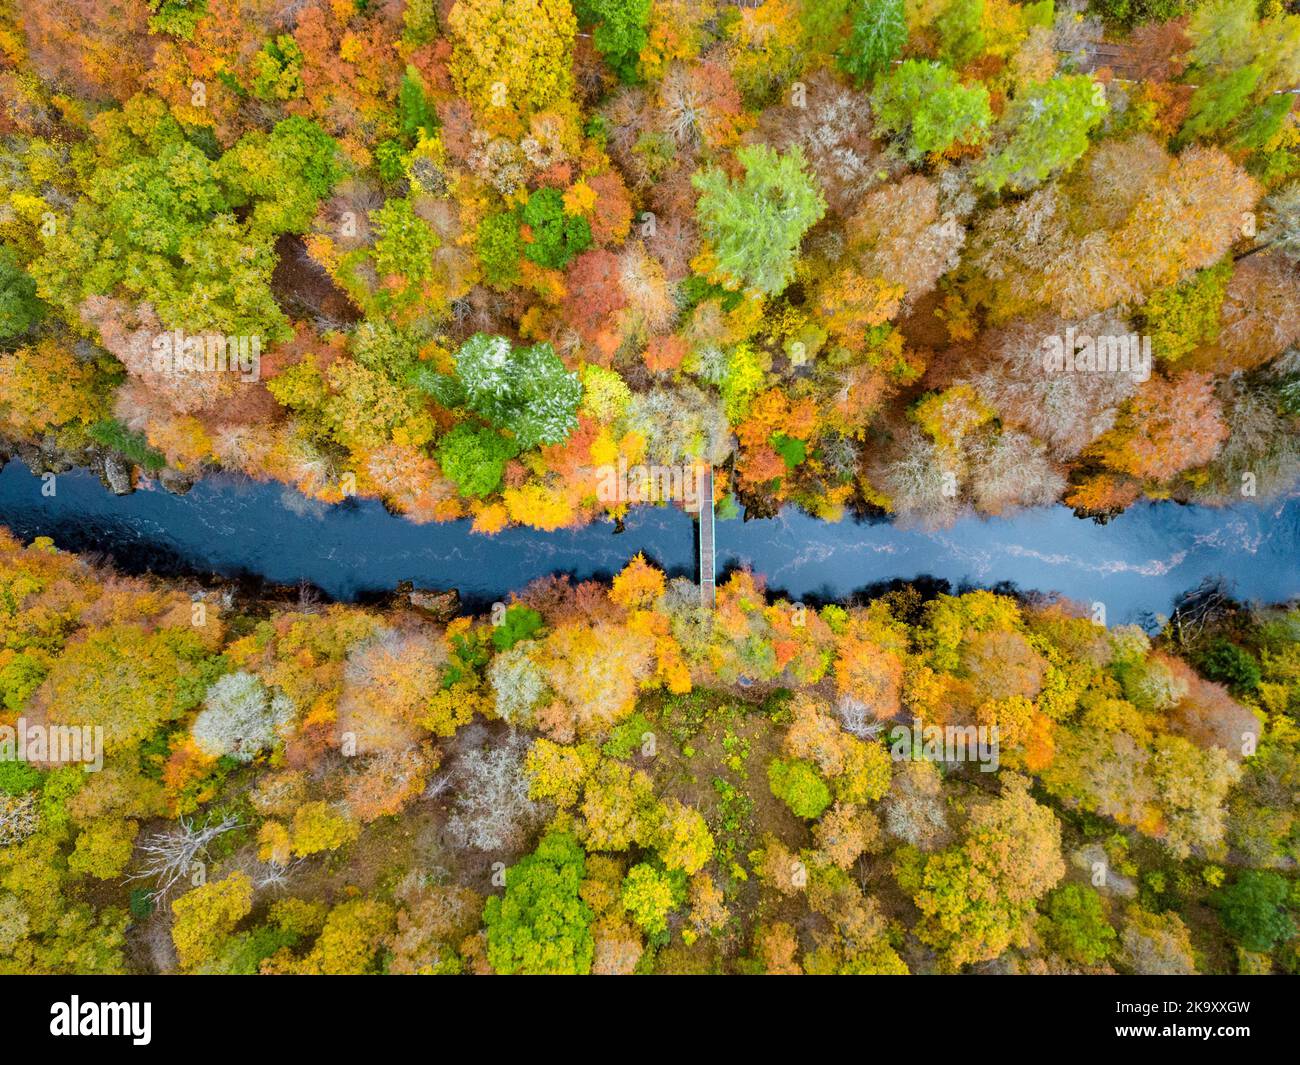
[[796, 783]]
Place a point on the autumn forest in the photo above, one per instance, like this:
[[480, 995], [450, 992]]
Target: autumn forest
[[541, 263]]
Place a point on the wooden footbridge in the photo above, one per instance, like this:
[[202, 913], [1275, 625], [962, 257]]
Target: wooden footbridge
[[708, 553]]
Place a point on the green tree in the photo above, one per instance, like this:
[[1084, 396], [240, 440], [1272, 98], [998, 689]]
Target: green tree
[[135, 446], [519, 623], [1219, 102], [621, 31], [1130, 12], [474, 457], [795, 782], [415, 113], [556, 237], [277, 70], [541, 926], [961, 31], [19, 307], [283, 174], [925, 103], [1229, 664], [499, 247], [1253, 910], [1046, 129], [977, 897], [406, 242], [161, 222], [1223, 33], [1183, 316], [755, 224], [878, 31], [1076, 925], [526, 391], [18, 778], [650, 893]]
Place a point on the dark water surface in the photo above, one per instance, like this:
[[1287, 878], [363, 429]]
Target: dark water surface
[[232, 526]]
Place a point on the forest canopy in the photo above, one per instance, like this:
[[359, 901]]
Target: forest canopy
[[487, 251], [611, 778], [869, 258]]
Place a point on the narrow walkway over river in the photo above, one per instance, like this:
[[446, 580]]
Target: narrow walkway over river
[[708, 543], [1139, 562]]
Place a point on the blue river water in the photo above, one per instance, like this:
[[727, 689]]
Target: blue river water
[[1136, 565]]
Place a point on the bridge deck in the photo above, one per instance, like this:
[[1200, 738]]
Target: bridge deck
[[708, 589], [1126, 64]]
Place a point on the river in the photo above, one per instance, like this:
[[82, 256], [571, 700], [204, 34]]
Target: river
[[231, 526]]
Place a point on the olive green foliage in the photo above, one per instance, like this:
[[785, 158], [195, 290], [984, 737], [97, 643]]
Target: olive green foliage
[[556, 237], [541, 926], [1230, 664], [1254, 912], [1183, 316], [499, 247], [159, 220], [961, 31], [117, 437], [796, 783], [415, 113], [1046, 129], [878, 33], [406, 242], [926, 104], [650, 893], [19, 307], [1076, 926], [474, 457], [755, 224]]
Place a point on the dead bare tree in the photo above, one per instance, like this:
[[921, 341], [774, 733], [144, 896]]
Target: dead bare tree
[[1198, 609], [170, 856], [493, 810], [856, 717], [274, 875], [439, 786]]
